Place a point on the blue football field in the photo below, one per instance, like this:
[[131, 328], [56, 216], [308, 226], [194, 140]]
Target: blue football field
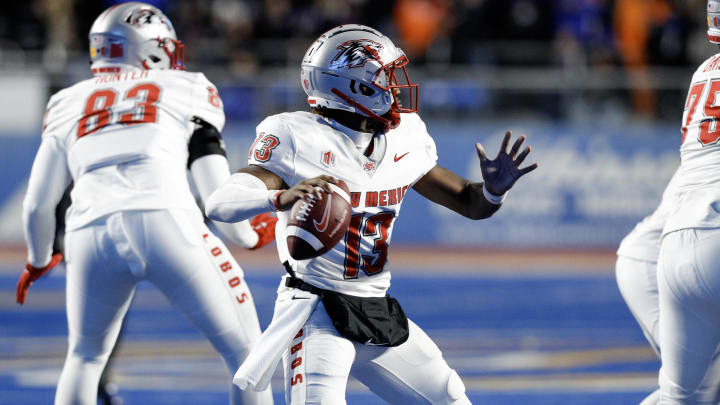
[[529, 337]]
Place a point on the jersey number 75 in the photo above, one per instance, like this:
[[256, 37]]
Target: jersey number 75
[[709, 131]]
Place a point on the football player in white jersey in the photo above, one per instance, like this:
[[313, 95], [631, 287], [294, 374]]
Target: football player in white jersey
[[364, 130], [126, 138], [636, 272], [689, 260]]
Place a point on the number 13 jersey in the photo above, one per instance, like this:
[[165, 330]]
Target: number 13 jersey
[[125, 137], [697, 183], [301, 145]]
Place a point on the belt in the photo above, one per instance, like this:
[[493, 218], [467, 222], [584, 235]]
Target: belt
[[294, 282]]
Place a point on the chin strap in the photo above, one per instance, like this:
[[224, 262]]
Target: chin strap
[[389, 123]]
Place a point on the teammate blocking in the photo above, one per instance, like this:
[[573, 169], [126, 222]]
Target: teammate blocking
[[363, 130], [126, 138]]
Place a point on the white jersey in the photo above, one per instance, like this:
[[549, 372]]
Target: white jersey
[[126, 139], [698, 183], [643, 242], [302, 145]]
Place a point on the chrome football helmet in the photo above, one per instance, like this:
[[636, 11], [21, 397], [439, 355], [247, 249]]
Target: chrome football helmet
[[134, 34], [713, 21], [356, 68]]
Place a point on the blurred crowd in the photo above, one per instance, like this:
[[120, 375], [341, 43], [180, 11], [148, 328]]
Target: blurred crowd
[[244, 37]]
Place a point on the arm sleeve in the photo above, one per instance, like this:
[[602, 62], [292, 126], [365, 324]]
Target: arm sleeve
[[210, 172], [48, 180], [245, 195], [241, 197]]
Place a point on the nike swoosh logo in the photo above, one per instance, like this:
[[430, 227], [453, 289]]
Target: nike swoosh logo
[[325, 220], [400, 157], [301, 298]]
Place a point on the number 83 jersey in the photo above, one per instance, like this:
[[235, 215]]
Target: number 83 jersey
[[125, 138], [697, 183], [301, 145]]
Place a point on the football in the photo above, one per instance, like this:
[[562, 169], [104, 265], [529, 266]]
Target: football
[[316, 226]]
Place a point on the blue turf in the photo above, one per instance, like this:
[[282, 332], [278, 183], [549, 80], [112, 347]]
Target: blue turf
[[488, 314]]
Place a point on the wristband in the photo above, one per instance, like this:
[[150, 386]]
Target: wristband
[[493, 198], [274, 199]]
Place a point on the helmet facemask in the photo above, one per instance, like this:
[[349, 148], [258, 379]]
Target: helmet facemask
[[402, 89], [398, 88], [163, 53]]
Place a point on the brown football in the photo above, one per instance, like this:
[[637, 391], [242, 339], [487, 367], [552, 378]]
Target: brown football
[[315, 227]]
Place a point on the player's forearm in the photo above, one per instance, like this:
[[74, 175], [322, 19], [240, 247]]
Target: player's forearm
[[475, 203], [48, 180], [241, 197], [39, 229]]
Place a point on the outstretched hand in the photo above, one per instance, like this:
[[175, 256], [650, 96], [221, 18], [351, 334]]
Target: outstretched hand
[[501, 173]]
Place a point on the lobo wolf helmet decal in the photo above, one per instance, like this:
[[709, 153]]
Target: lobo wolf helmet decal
[[356, 68], [144, 16], [355, 53]]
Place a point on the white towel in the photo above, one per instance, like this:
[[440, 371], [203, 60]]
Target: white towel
[[292, 309]]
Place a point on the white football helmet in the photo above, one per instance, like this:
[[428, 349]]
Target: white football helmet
[[713, 21], [134, 34], [353, 68]]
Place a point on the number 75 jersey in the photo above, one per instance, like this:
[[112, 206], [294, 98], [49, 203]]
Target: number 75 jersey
[[697, 183], [301, 145]]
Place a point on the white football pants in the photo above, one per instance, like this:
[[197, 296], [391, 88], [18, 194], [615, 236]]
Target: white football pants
[[319, 360], [175, 251], [689, 292], [637, 281]]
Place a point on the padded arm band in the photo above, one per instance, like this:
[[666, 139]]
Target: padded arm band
[[206, 140], [241, 197]]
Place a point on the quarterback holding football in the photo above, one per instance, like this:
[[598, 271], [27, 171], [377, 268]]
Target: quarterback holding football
[[333, 317]]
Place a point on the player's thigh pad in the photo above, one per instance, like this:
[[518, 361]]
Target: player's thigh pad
[[637, 282], [689, 291], [412, 373], [317, 363]]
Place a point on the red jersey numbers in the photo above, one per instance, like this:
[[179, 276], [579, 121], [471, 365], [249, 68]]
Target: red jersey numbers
[[709, 131], [147, 95], [98, 108], [214, 97], [262, 148], [376, 228], [97, 112]]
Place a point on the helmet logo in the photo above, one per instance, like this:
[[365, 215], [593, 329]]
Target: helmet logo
[[146, 17], [355, 53]]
